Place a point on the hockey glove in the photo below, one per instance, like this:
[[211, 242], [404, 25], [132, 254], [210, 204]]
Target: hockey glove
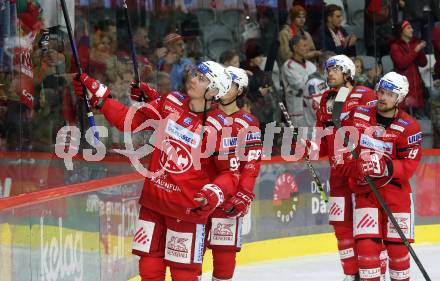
[[140, 91], [238, 205], [209, 198], [97, 92], [373, 165]]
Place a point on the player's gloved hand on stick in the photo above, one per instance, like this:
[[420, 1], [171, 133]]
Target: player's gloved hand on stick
[[238, 205], [373, 165], [209, 198], [96, 91], [141, 91]]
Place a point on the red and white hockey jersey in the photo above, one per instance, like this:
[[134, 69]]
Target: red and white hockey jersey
[[400, 140], [245, 147], [358, 96], [179, 144]]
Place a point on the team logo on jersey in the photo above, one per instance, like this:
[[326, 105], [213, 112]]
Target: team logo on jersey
[[285, 197], [187, 121], [174, 157], [415, 138], [182, 134]]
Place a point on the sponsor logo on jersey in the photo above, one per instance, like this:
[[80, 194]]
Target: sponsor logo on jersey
[[179, 95], [364, 109], [214, 122], [369, 273], [405, 224], [373, 102], [241, 122], [344, 115], [170, 108], [246, 116], [182, 134], [187, 121], [360, 90], [174, 99], [178, 246], [366, 221], [223, 119], [358, 96], [143, 235], [403, 122], [369, 142], [231, 142], [336, 208], [362, 116], [199, 243], [397, 127], [415, 138]]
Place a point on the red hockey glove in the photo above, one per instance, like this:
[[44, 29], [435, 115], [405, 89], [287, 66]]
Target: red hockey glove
[[209, 198], [238, 205], [142, 92], [96, 91], [373, 165]]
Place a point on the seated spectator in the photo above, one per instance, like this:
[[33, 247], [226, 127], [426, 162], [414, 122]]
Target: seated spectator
[[296, 27], [230, 58], [174, 62], [334, 37], [407, 53], [295, 73], [361, 77]]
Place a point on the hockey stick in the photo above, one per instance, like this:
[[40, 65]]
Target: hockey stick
[[336, 114], [90, 116], [306, 158], [132, 49]]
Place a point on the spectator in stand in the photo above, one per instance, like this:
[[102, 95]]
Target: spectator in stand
[[295, 73], [314, 10], [419, 14], [360, 78], [174, 62], [436, 45], [378, 29], [260, 84], [297, 21], [407, 54], [230, 58], [334, 37]]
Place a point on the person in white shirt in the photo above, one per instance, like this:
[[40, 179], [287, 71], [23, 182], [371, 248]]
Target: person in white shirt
[[295, 73]]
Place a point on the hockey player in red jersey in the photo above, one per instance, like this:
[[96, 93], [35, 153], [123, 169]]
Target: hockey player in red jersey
[[177, 200], [389, 151], [340, 72], [245, 143]]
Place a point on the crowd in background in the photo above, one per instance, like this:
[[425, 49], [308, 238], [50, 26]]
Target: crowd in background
[[282, 45]]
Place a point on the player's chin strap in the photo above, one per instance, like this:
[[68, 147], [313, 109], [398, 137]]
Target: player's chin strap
[[336, 114]]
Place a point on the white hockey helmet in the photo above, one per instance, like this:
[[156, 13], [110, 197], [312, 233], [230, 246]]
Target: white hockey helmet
[[219, 78], [239, 76], [395, 83], [344, 62]]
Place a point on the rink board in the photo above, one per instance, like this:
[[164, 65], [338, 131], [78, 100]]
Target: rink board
[[83, 231]]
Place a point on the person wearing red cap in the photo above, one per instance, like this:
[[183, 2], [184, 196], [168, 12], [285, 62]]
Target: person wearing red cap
[[174, 62], [297, 21], [407, 53]]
